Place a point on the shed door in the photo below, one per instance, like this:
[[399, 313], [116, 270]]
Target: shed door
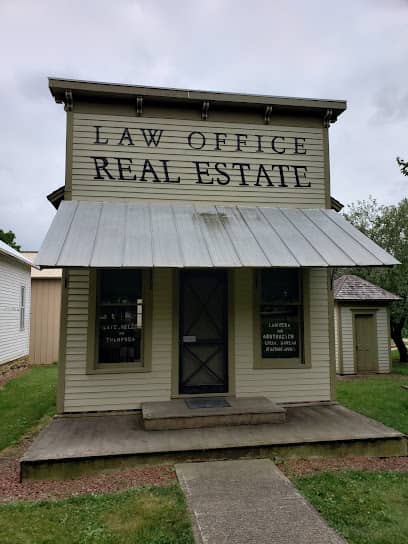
[[203, 332], [366, 345]]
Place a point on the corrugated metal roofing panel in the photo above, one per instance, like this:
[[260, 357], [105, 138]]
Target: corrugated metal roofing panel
[[222, 252], [122, 234], [330, 252], [242, 239], [305, 253], [55, 238], [354, 249], [81, 236], [385, 257], [138, 249], [165, 238], [275, 250], [108, 249], [192, 243]]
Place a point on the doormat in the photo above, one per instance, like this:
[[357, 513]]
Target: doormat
[[207, 403]]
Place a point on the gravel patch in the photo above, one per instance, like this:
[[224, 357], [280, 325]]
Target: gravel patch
[[304, 467], [11, 489]]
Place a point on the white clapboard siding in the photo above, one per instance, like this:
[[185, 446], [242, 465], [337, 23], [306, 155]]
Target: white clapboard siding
[[99, 392], [14, 343], [337, 339], [283, 385], [384, 355], [174, 148], [346, 323]]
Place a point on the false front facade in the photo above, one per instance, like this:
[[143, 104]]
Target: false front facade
[[197, 243]]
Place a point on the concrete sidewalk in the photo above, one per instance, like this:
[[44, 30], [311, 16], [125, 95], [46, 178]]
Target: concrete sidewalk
[[250, 502]]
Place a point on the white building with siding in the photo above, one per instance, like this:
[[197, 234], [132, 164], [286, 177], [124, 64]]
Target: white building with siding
[[15, 300], [197, 242], [362, 326]]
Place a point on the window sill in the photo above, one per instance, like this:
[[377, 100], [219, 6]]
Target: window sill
[[117, 369], [280, 363]]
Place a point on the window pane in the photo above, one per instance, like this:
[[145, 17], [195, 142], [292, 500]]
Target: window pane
[[22, 307], [280, 333], [120, 316], [122, 286], [280, 285], [281, 314]]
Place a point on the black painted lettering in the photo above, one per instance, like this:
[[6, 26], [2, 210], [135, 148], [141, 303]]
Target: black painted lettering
[[300, 173], [263, 174], [242, 167], [280, 167], [98, 136], [260, 143], [126, 136], [219, 139], [101, 163], [226, 177], [166, 173], [148, 169], [193, 136], [152, 136], [300, 146], [241, 141], [122, 168], [202, 171], [273, 144]]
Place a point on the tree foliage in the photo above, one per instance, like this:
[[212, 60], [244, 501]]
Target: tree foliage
[[388, 227], [10, 239], [403, 166]]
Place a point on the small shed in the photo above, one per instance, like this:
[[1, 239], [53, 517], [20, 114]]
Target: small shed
[[15, 297], [45, 313], [362, 326]]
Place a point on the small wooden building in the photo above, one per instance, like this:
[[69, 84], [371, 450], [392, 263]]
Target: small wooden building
[[15, 297], [197, 243], [45, 313], [362, 326]]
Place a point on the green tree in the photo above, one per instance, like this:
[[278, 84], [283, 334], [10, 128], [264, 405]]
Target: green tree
[[388, 227], [403, 166], [10, 239]]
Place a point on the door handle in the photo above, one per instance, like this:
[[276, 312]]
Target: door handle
[[189, 339]]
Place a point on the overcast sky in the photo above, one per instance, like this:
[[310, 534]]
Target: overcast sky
[[355, 50]]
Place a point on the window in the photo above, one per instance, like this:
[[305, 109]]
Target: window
[[22, 308], [118, 320], [279, 318]]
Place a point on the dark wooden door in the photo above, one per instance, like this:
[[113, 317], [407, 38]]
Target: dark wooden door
[[203, 332]]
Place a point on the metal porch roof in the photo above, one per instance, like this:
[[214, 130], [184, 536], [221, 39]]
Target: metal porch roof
[[145, 235]]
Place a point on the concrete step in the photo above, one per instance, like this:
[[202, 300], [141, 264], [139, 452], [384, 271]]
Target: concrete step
[[210, 412]]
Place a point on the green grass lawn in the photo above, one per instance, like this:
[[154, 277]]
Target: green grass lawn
[[365, 507], [155, 515], [24, 401], [380, 398], [397, 367]]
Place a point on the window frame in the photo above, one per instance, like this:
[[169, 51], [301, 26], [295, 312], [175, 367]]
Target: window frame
[[22, 307], [304, 360], [144, 365]]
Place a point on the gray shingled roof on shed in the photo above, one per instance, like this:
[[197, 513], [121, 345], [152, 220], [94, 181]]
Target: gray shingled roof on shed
[[354, 288]]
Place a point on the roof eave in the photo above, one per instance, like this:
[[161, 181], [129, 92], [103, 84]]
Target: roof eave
[[87, 89]]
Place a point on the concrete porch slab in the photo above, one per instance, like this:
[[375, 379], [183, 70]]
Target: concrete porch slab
[[175, 414], [73, 445]]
